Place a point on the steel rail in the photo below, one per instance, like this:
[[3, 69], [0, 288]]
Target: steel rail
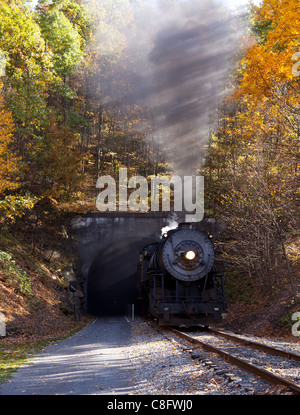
[[255, 370], [257, 345]]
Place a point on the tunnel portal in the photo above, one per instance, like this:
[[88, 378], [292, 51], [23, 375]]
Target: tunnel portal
[[108, 245]]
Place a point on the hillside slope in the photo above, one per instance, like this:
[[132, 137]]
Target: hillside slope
[[35, 264]]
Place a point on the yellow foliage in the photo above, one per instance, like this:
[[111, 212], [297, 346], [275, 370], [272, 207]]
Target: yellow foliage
[[269, 61]]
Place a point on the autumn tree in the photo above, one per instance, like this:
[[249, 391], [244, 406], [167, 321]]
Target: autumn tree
[[43, 49], [58, 164], [12, 204], [252, 165], [9, 179]]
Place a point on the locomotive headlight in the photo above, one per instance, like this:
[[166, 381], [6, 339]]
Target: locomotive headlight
[[190, 255]]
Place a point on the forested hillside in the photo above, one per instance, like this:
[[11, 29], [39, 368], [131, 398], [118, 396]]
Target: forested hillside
[[252, 166], [63, 59], [72, 108], [68, 115]]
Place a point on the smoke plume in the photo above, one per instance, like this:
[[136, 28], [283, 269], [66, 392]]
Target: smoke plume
[[175, 64], [189, 64]]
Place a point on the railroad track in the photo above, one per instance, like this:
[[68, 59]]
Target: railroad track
[[235, 350]]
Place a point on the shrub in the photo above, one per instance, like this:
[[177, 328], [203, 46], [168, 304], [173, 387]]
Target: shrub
[[12, 272]]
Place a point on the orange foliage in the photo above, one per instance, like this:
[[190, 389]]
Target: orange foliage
[[269, 61], [8, 160]]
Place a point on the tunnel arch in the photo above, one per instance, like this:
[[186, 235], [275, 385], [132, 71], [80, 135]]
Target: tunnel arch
[[111, 281], [108, 246]]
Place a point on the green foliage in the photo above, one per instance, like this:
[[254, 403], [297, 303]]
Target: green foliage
[[261, 30], [13, 207], [13, 273], [28, 65], [63, 40]]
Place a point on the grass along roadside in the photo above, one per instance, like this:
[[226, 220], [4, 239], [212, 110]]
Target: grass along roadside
[[13, 355]]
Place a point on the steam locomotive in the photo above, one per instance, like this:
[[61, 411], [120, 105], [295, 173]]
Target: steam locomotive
[[177, 280]]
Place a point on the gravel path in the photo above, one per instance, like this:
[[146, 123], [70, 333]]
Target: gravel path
[[90, 362]]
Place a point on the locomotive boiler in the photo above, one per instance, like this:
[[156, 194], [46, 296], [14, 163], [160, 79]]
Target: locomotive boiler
[[178, 281]]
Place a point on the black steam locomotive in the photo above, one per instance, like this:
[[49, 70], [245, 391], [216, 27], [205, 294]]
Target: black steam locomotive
[[177, 279]]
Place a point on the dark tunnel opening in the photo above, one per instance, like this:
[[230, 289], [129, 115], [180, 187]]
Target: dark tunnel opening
[[111, 284]]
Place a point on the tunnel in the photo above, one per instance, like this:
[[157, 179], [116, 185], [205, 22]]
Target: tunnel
[[109, 246], [112, 278]]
